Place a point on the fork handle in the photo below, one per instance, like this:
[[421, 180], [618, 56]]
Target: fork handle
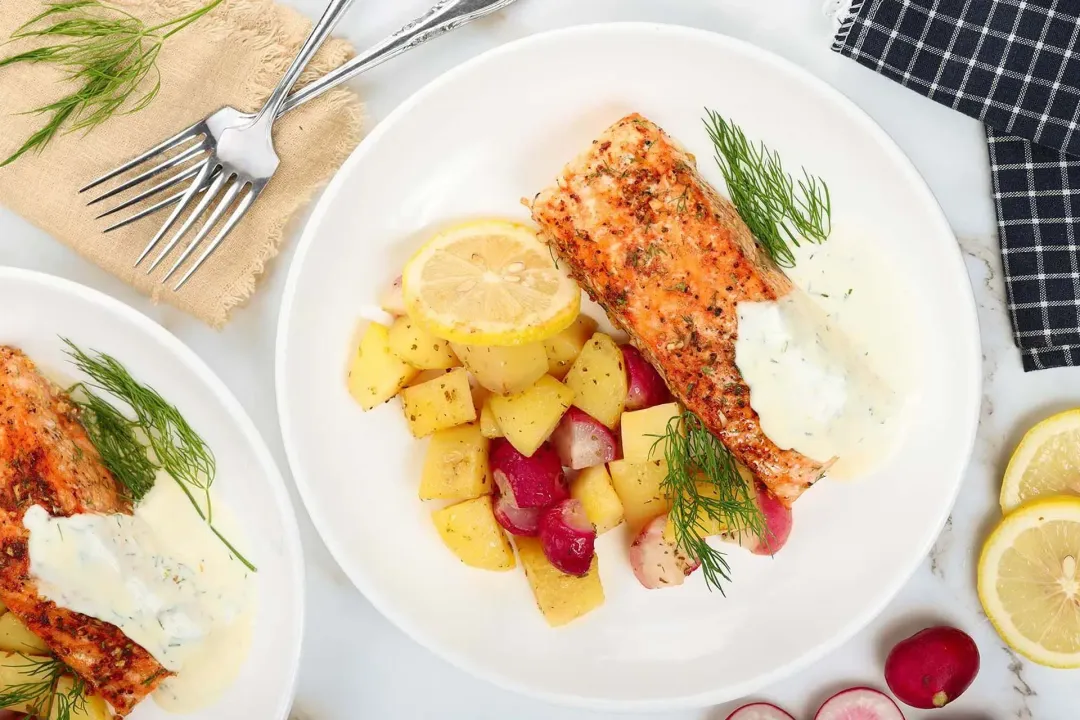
[[319, 33], [446, 15]]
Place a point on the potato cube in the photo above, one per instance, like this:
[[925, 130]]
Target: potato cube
[[598, 380], [561, 597], [644, 429], [593, 488], [528, 418], [470, 530], [89, 707], [562, 349], [638, 487], [456, 465], [16, 637], [504, 370], [489, 426], [438, 404], [19, 669], [375, 373], [416, 346]]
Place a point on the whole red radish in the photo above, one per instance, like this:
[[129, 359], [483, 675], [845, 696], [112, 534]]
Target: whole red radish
[[583, 441], [777, 517], [515, 520], [859, 703], [527, 482], [645, 387], [568, 538], [759, 711], [658, 563], [933, 667]]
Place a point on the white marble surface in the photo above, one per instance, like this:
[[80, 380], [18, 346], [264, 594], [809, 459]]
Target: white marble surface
[[357, 665]]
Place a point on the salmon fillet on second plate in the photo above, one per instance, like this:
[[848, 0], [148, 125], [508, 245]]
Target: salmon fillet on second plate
[[669, 260], [47, 459]]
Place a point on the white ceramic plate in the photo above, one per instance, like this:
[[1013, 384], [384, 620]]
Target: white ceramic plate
[[473, 143], [38, 311]]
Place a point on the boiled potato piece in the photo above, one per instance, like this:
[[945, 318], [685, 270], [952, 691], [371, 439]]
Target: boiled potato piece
[[598, 380], [593, 488], [470, 530], [419, 348], [644, 429], [16, 637], [638, 487], [375, 373], [19, 669], [88, 708], [438, 404], [706, 526], [527, 418], [504, 370], [561, 597], [455, 467], [489, 426], [562, 349]]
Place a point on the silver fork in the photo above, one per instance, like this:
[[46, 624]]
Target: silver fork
[[200, 146]]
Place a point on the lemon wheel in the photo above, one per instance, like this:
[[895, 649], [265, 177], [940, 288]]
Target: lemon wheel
[[1046, 462]]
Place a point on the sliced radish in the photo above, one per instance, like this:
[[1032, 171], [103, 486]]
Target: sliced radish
[[645, 387], [528, 482], [583, 441], [933, 667], [656, 562], [515, 520], [759, 711], [393, 299], [859, 703], [567, 537], [778, 522]]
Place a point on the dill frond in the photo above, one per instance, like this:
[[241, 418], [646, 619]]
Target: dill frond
[[42, 694]]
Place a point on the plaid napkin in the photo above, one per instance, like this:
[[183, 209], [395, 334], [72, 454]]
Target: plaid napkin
[[1015, 65]]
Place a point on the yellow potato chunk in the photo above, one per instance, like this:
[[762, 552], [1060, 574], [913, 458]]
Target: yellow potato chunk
[[598, 379], [562, 349], [593, 488], [527, 418], [705, 525], [489, 426], [644, 429], [561, 597], [16, 637], [439, 403], [90, 707], [456, 465], [638, 487], [375, 373], [419, 348], [471, 532], [504, 370], [18, 669]]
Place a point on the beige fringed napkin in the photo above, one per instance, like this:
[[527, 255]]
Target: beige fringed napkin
[[233, 56]]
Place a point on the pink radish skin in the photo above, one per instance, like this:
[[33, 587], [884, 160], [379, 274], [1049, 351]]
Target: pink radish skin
[[859, 703], [759, 711], [568, 538], [393, 299], [777, 525], [528, 482], [656, 562], [933, 667], [645, 387], [583, 441], [515, 520]]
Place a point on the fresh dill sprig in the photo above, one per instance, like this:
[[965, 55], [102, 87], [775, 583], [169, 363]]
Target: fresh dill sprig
[[707, 493], [158, 426], [106, 52], [42, 694], [779, 210]]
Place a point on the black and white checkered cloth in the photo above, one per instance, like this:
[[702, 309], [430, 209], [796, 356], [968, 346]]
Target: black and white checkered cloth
[[1015, 65]]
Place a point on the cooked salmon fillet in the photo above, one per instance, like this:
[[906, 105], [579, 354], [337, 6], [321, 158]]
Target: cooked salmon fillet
[[47, 459], [669, 260]]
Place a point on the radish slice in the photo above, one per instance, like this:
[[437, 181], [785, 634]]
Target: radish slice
[[656, 562], [860, 703], [645, 387], [515, 520], [567, 537], [393, 299], [583, 441], [527, 482], [759, 711]]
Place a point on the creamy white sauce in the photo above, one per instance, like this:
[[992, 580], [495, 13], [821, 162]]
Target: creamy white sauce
[[830, 365], [163, 578]]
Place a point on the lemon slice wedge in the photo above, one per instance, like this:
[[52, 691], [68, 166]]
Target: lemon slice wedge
[[1029, 580], [490, 282], [1046, 462]]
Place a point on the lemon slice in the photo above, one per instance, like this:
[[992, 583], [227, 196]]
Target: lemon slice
[[489, 283], [1029, 581], [1047, 462]]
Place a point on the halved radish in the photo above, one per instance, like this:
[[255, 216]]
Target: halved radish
[[859, 703], [583, 441], [515, 520], [527, 482], [933, 667], [759, 711], [393, 299], [777, 525], [568, 538], [645, 387], [656, 562]]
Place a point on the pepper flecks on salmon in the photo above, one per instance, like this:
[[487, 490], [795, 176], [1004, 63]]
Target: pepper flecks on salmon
[[669, 259]]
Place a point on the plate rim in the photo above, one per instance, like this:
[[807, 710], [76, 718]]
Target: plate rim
[[291, 532], [758, 54]]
